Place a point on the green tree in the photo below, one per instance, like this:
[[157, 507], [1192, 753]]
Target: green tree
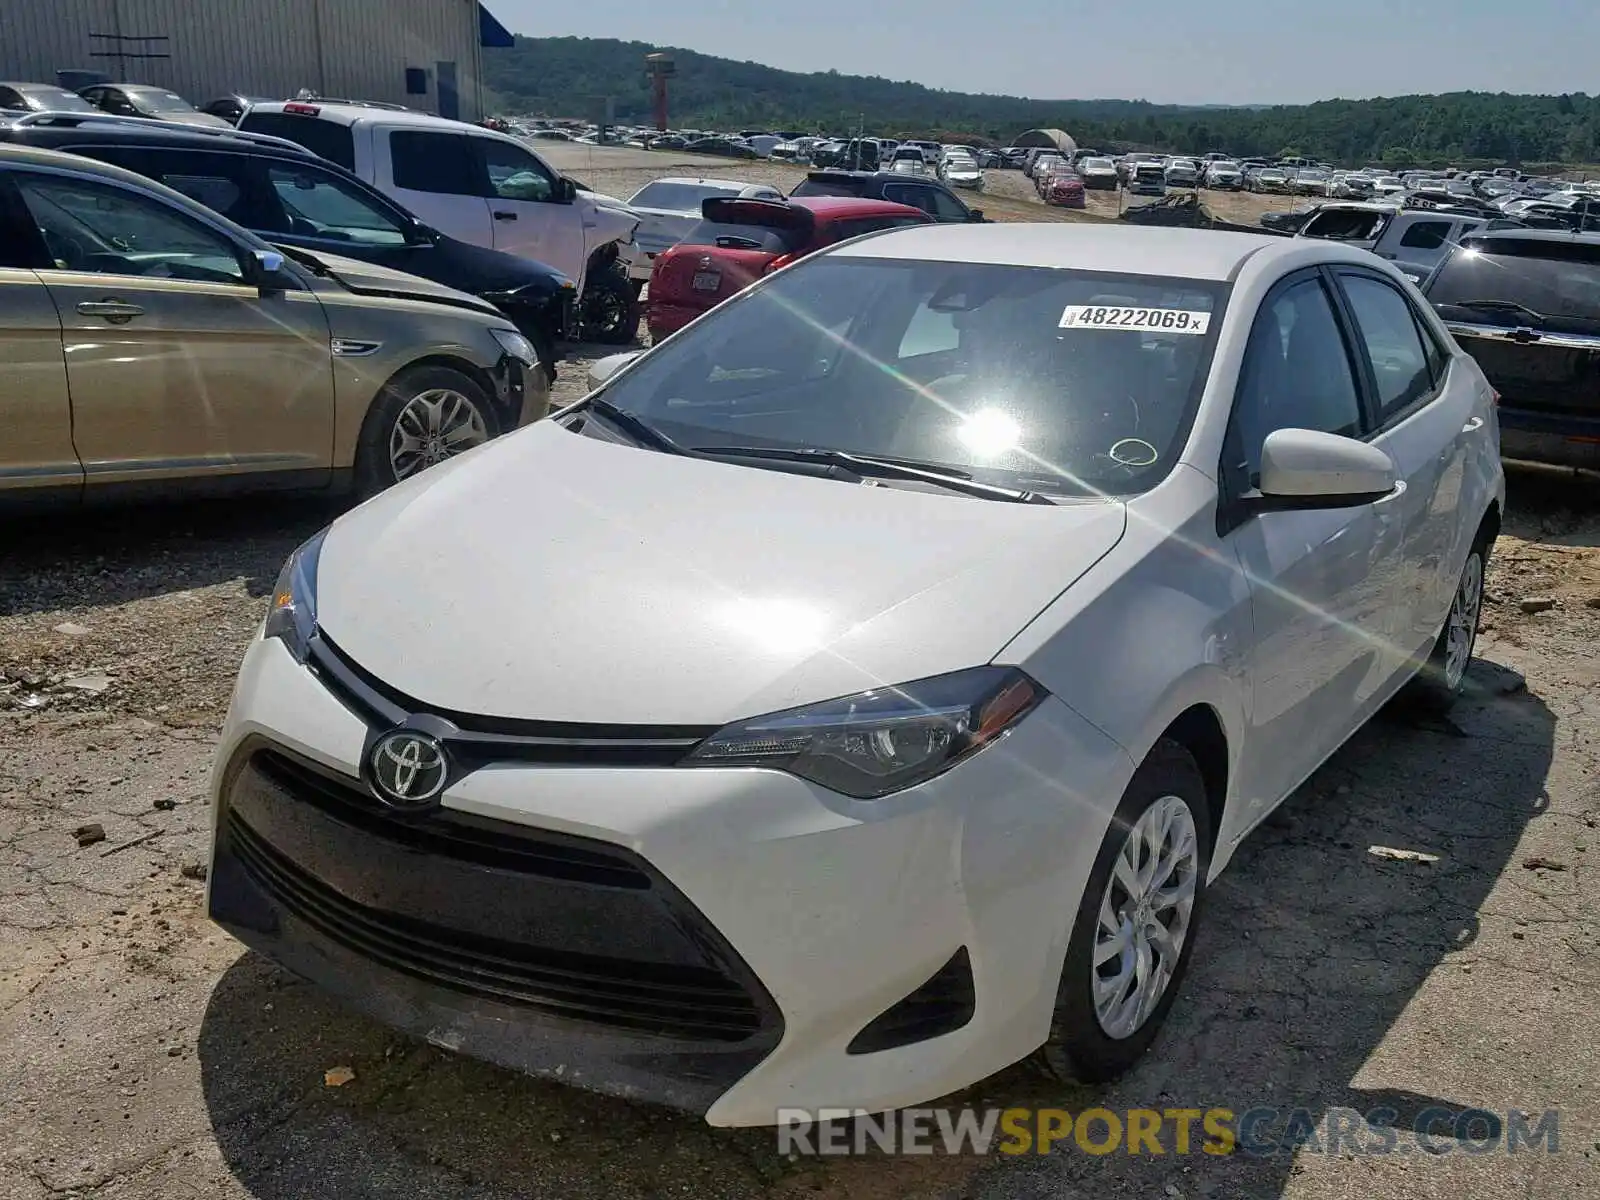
[[1399, 156]]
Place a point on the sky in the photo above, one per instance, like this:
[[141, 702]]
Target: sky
[[1165, 51]]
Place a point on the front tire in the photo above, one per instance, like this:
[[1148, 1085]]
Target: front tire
[[609, 310], [1134, 930], [423, 416]]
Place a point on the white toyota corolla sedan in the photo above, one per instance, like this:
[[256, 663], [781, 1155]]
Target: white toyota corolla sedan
[[858, 691]]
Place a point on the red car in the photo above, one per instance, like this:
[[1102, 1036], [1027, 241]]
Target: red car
[[1065, 191], [738, 241]]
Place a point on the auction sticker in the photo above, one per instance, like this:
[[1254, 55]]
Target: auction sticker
[[1151, 320]]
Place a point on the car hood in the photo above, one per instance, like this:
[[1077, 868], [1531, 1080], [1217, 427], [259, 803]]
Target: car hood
[[552, 576], [369, 279]]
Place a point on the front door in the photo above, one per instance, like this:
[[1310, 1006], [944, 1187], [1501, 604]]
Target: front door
[[527, 213], [1322, 582], [35, 414], [177, 367]]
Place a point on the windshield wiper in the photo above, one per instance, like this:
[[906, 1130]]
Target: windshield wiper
[[885, 468], [1500, 306], [636, 427]]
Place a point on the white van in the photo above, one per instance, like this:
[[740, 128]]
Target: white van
[[481, 187]]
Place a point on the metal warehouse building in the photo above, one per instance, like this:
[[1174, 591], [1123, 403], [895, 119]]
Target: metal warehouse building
[[425, 54]]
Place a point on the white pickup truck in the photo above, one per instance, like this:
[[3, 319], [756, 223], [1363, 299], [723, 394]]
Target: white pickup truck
[[481, 187], [1415, 240]]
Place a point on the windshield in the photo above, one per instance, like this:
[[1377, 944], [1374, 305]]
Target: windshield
[[678, 197], [1556, 278], [1098, 164], [47, 99], [1346, 224], [159, 102], [1065, 382]]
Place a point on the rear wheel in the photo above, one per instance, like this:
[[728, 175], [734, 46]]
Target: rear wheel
[[423, 416], [1443, 677], [1134, 930]]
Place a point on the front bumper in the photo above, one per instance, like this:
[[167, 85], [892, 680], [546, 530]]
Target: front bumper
[[800, 915]]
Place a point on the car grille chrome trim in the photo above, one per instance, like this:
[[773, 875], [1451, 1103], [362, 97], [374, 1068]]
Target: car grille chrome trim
[[473, 736]]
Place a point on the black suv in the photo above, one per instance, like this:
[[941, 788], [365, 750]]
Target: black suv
[[1526, 304], [931, 196], [310, 207]]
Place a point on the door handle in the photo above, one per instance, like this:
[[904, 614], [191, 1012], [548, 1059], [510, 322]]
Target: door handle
[[111, 310], [505, 216], [1473, 425]]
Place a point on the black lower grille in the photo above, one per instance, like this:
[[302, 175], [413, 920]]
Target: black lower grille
[[694, 1003], [455, 835]]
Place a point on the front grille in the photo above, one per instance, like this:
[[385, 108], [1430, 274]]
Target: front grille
[[694, 1003], [449, 834], [475, 739]]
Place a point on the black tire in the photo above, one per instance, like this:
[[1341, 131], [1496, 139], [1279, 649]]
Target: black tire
[[609, 311], [1432, 686], [374, 466], [1078, 1048]]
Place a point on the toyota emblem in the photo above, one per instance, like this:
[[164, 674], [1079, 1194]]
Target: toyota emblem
[[408, 769]]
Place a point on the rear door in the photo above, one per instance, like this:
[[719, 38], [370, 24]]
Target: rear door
[[35, 411], [436, 175], [1423, 416], [178, 367]]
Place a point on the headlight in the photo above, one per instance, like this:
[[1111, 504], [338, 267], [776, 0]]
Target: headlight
[[882, 741], [292, 612], [516, 346]]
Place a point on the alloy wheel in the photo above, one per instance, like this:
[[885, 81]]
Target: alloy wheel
[[434, 425], [1462, 626], [1144, 916]]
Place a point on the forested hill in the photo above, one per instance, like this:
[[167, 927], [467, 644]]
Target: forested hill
[[553, 76]]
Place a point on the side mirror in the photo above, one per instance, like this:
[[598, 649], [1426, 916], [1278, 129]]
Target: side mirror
[[1306, 469], [975, 215], [267, 267], [603, 369], [566, 191]]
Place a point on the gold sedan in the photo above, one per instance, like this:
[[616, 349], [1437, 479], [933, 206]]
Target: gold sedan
[[148, 344]]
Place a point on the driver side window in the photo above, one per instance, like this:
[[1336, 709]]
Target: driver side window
[[514, 174], [1296, 374], [97, 229]]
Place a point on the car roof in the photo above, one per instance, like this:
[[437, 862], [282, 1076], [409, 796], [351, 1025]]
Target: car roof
[[1138, 250], [694, 181], [79, 129], [23, 85], [349, 114], [1565, 236]]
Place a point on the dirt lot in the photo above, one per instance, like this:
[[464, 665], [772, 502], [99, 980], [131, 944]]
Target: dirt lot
[[1006, 195]]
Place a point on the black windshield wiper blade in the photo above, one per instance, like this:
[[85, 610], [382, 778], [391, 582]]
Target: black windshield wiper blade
[[888, 468], [1500, 306], [636, 427]]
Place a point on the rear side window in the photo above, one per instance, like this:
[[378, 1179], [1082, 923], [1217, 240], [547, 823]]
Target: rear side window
[[1388, 335], [1426, 235], [443, 163], [333, 141]]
